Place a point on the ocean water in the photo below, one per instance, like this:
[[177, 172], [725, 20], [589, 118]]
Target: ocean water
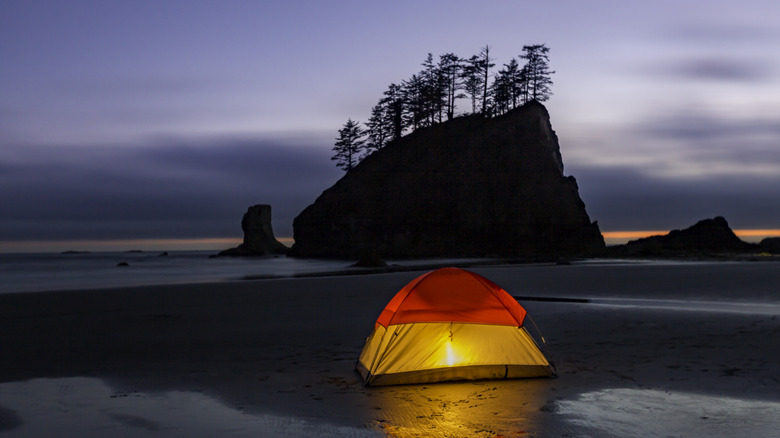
[[606, 282], [30, 272], [67, 271]]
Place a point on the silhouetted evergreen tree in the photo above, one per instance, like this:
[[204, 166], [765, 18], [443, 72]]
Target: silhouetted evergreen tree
[[433, 90], [500, 94], [484, 66], [394, 113], [538, 72], [416, 104], [348, 145], [473, 81], [524, 84], [450, 72], [377, 129], [515, 79]]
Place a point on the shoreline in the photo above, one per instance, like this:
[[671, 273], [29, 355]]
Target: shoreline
[[279, 354], [147, 269]]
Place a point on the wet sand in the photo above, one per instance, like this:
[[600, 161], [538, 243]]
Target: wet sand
[[276, 358]]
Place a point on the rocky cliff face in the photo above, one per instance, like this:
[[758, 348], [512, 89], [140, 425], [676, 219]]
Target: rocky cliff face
[[468, 187]]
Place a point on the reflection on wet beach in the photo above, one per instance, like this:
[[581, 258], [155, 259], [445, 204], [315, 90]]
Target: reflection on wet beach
[[627, 413], [87, 407]]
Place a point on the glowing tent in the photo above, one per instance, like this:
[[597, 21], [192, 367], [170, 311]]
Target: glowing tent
[[450, 324]]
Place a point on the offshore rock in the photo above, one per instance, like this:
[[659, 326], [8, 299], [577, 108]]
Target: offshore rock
[[468, 187], [259, 237], [708, 236], [770, 245]]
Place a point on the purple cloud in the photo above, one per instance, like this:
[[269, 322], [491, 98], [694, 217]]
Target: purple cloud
[[722, 69]]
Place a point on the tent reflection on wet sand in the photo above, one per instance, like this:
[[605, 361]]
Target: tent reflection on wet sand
[[450, 324], [463, 409]]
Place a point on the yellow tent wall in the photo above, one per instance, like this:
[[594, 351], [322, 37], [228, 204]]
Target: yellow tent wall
[[435, 352]]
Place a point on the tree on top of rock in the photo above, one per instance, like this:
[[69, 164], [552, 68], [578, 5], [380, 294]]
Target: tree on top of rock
[[349, 144], [425, 98], [394, 103], [378, 130], [450, 69], [471, 76], [537, 70], [484, 65], [508, 87]]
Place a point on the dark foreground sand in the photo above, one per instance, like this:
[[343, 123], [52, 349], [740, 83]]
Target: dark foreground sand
[[276, 358]]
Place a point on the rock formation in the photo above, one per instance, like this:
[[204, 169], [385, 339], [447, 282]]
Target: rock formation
[[259, 237], [468, 187], [770, 245], [708, 236]]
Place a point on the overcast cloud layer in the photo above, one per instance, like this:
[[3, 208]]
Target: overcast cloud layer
[[168, 119], [165, 190]]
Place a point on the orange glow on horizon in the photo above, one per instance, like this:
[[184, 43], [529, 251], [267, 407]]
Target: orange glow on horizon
[[631, 234], [220, 243], [617, 237], [757, 233]]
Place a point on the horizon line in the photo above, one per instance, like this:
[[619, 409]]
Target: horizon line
[[748, 235], [220, 243]]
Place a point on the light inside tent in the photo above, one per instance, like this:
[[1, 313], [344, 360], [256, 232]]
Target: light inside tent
[[452, 353], [452, 358]]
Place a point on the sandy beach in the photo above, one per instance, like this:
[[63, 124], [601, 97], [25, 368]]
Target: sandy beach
[[660, 349]]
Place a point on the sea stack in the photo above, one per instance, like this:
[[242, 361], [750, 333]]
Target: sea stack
[[706, 237], [259, 237], [469, 187]]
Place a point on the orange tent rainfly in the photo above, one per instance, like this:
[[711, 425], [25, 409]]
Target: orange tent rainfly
[[450, 324]]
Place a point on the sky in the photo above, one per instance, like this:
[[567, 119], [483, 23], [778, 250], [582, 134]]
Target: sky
[[153, 119]]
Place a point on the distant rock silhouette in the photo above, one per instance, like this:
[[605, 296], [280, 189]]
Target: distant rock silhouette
[[708, 236], [467, 187], [259, 237], [770, 245]]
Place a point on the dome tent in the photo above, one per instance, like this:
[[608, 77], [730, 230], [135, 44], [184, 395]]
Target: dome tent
[[450, 324]]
